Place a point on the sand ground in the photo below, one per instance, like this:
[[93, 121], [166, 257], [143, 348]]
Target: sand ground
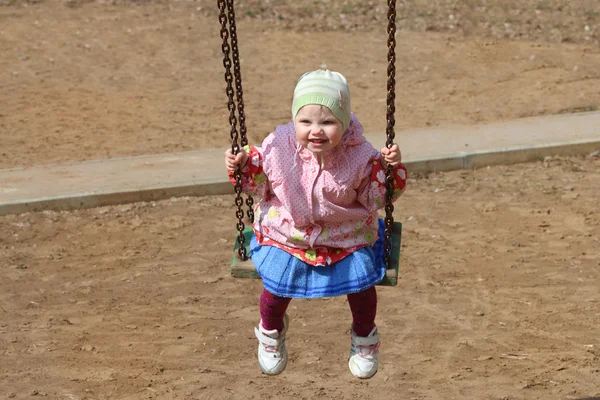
[[500, 266]]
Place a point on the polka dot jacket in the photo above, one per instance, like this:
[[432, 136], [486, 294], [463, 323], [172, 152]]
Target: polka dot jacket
[[318, 212]]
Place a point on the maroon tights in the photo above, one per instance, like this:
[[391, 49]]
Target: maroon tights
[[363, 306]]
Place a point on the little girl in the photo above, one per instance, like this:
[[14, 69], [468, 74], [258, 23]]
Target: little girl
[[321, 184]]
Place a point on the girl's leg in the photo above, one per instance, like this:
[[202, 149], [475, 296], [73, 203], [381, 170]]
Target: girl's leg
[[364, 351], [272, 350], [364, 308], [272, 310]]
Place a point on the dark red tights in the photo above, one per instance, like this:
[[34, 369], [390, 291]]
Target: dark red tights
[[363, 306]]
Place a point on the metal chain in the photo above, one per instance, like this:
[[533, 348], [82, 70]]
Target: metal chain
[[390, 135], [235, 148], [237, 72]]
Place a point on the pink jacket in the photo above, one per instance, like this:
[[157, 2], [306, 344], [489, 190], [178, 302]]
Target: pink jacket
[[306, 204]]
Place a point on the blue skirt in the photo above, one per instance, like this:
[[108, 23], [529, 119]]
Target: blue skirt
[[286, 276]]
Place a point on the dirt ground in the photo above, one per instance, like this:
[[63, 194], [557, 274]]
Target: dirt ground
[[84, 80], [500, 266]]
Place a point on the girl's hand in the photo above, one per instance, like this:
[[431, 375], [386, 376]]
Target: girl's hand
[[231, 161], [391, 156]]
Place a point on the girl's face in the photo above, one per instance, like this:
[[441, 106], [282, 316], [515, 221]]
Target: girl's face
[[317, 128]]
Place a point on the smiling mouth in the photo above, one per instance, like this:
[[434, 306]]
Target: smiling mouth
[[319, 141]]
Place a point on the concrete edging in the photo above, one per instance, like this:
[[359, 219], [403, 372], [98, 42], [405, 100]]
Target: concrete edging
[[154, 177], [220, 186], [507, 156], [90, 200]]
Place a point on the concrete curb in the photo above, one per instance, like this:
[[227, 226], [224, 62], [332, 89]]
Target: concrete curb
[[90, 200], [220, 186], [507, 156], [154, 177]]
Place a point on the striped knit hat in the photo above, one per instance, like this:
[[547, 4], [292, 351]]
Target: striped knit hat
[[326, 88]]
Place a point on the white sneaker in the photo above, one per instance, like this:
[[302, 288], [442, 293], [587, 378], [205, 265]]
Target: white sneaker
[[364, 355], [272, 352]]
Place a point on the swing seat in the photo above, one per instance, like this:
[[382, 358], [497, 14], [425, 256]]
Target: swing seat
[[245, 269]]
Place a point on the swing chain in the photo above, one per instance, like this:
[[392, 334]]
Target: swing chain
[[237, 72], [390, 135], [235, 148]]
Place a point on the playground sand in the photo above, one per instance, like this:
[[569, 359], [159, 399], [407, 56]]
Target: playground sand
[[498, 299], [96, 80], [499, 291]]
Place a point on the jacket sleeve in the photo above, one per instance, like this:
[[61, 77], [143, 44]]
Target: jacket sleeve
[[371, 193], [254, 180]]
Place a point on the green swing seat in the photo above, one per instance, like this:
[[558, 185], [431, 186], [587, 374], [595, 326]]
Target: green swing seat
[[245, 269]]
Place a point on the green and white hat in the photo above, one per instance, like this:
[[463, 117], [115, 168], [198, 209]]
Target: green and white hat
[[326, 88]]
